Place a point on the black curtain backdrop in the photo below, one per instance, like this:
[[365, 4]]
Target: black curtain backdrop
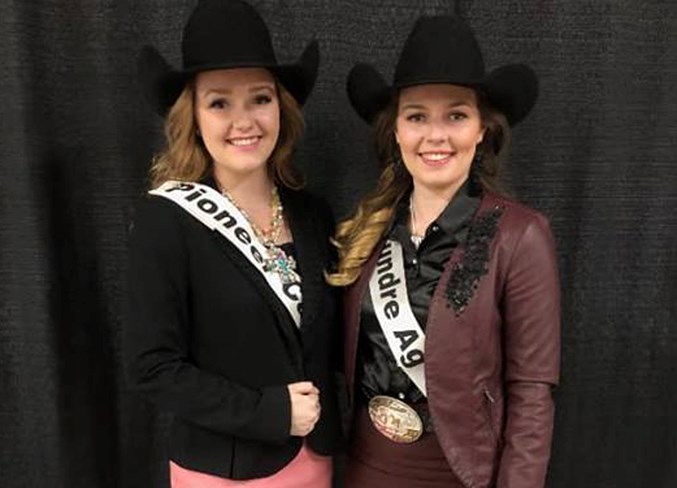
[[597, 156]]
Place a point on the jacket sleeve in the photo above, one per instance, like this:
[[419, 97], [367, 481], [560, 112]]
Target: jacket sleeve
[[531, 311], [156, 339]]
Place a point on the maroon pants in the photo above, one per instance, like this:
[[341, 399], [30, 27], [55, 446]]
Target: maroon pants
[[377, 462]]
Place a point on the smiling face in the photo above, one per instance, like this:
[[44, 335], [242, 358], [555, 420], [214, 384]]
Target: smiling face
[[438, 127], [238, 115]]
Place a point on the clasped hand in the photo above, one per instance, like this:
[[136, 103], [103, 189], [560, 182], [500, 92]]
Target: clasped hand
[[305, 407]]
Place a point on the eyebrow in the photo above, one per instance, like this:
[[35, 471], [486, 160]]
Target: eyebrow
[[418, 106], [253, 89]]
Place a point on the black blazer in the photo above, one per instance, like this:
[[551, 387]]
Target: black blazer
[[209, 341]]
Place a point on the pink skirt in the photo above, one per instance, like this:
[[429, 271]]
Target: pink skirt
[[306, 470]]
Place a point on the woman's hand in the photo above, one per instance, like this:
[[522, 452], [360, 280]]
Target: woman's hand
[[305, 407]]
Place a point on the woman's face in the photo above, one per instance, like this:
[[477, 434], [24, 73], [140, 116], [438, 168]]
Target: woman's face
[[238, 115], [438, 127]]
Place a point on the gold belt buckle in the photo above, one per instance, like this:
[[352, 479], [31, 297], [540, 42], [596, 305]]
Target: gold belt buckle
[[395, 419]]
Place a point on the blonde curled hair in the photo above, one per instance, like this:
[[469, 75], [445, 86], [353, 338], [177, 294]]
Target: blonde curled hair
[[185, 157], [357, 236]]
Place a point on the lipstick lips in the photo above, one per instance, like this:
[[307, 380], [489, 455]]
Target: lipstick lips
[[436, 158], [244, 143]]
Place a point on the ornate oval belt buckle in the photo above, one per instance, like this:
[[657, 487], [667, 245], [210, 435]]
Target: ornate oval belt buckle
[[395, 419]]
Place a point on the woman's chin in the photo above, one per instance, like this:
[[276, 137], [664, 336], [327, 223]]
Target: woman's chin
[[243, 166], [438, 182]]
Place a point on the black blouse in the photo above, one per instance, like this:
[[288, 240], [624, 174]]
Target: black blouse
[[379, 372]]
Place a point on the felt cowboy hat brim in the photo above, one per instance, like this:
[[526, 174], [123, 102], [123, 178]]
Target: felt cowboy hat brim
[[511, 89], [223, 34], [443, 49], [162, 85]]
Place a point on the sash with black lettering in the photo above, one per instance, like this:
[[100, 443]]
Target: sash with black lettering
[[388, 289], [218, 213]]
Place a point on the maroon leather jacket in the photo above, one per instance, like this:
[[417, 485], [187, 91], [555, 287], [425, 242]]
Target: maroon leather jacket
[[492, 347]]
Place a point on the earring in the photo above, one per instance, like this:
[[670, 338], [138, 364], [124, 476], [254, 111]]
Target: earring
[[197, 133]]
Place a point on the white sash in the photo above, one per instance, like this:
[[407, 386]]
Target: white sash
[[388, 289], [219, 214]]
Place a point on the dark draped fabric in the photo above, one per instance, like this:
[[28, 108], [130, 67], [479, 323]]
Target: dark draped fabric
[[597, 155]]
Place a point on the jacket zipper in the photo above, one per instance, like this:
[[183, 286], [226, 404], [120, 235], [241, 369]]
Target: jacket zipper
[[488, 411], [487, 394]]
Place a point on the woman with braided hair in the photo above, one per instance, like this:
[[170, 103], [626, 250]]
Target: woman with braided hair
[[452, 297]]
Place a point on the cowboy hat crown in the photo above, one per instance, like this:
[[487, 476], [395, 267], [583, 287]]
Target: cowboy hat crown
[[443, 49], [223, 34]]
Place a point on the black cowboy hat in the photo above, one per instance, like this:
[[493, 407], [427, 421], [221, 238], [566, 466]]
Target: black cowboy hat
[[443, 49], [223, 34]]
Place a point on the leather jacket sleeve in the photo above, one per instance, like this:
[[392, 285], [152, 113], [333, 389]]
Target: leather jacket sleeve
[[531, 311]]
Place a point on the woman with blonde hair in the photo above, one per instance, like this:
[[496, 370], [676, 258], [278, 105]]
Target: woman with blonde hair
[[230, 323], [452, 299]]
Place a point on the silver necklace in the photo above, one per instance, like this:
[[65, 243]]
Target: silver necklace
[[416, 239]]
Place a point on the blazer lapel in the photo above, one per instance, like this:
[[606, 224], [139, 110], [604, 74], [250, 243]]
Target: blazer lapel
[[249, 270], [309, 246], [286, 323]]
